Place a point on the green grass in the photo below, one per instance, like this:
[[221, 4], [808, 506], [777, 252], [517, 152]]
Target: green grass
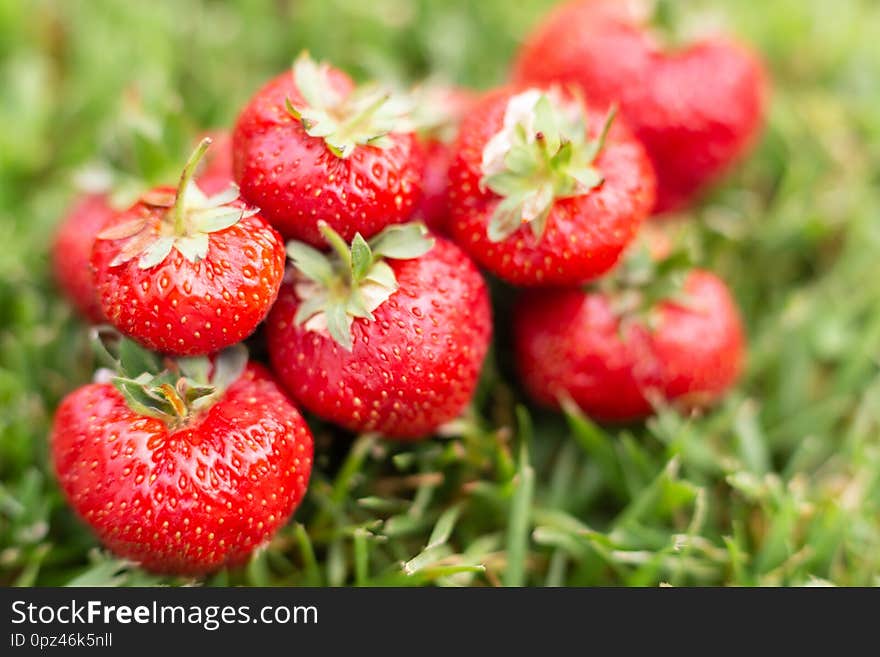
[[777, 486]]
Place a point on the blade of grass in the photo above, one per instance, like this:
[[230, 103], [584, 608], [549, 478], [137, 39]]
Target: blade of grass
[[361, 557], [520, 507]]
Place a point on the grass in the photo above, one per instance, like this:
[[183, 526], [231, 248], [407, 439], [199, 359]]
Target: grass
[[776, 486]]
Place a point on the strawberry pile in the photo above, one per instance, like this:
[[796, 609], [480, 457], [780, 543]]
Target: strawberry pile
[[351, 223]]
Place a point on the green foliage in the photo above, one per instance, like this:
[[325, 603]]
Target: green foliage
[[336, 282], [531, 172], [780, 485]]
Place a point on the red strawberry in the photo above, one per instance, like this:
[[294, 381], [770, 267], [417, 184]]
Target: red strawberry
[[433, 208], [573, 342], [438, 113], [215, 174], [71, 251], [542, 193], [391, 346], [187, 274], [310, 146], [696, 109], [183, 487]]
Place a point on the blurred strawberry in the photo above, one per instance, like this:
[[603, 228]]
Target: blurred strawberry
[[72, 249], [696, 109], [654, 331], [437, 114]]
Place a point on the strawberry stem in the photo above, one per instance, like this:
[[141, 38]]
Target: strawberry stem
[[189, 169], [175, 400], [606, 127], [359, 121], [335, 240]]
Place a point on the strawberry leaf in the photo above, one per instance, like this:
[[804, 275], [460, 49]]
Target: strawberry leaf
[[642, 282], [356, 306], [547, 124], [506, 219], [541, 154], [123, 230], [195, 368], [156, 252], [216, 219], [193, 247], [402, 241], [437, 110], [312, 81], [310, 262], [353, 280], [228, 366], [587, 178], [338, 324], [134, 246], [171, 391], [227, 196], [310, 307], [508, 183], [361, 257], [139, 399], [365, 116], [192, 392], [539, 223], [382, 274], [520, 162], [182, 220], [134, 360]]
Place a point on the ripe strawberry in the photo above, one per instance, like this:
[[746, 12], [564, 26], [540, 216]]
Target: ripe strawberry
[[71, 251], [433, 208], [187, 274], [696, 109], [215, 174], [179, 476], [438, 112], [311, 146], [543, 192], [393, 346], [586, 344]]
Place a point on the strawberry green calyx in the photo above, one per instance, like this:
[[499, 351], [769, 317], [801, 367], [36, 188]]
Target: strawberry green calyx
[[173, 391], [436, 111], [364, 117], [542, 153], [188, 218], [180, 227], [643, 281], [353, 280]]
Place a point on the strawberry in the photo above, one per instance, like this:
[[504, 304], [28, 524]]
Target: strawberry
[[438, 112], [311, 146], [180, 476], [385, 336], [215, 174], [696, 109], [188, 274], [614, 364], [544, 191], [433, 208], [71, 251]]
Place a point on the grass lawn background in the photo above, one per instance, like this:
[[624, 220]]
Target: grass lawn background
[[777, 486]]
